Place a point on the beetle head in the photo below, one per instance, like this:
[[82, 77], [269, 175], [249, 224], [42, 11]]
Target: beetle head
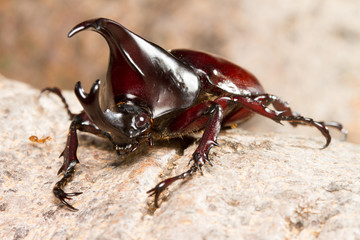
[[126, 123]]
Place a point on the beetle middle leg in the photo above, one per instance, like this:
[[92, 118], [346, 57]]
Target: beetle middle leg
[[212, 113]]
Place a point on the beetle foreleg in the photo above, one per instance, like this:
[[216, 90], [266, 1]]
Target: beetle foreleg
[[83, 123], [200, 156], [68, 166], [58, 188]]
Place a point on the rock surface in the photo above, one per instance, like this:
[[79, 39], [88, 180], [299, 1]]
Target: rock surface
[[262, 186]]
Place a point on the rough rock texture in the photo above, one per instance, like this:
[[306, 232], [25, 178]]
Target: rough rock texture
[[262, 186]]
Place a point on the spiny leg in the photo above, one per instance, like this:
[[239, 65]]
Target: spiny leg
[[160, 187], [70, 161], [58, 188], [337, 126], [281, 105], [80, 122], [200, 156], [282, 112], [83, 123]]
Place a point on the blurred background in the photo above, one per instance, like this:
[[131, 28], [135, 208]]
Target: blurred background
[[307, 52]]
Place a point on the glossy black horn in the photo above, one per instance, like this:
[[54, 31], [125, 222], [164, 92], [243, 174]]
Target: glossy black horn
[[90, 103]]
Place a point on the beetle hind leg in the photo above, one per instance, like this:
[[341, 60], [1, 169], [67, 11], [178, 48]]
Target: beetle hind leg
[[337, 126], [295, 120], [281, 105], [283, 112]]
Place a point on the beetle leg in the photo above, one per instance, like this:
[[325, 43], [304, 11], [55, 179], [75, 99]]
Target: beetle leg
[[337, 126], [208, 139], [83, 123], [164, 184], [80, 122], [200, 156], [58, 188], [57, 91], [68, 166], [281, 105], [284, 114]]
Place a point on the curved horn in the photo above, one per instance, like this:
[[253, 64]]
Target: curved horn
[[90, 103], [153, 64], [141, 54]]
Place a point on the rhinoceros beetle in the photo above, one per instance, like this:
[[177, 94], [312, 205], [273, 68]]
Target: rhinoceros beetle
[[150, 93]]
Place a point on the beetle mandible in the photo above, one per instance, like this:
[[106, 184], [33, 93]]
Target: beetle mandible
[[150, 93]]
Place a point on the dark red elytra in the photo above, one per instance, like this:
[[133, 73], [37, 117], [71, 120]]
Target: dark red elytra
[[151, 93]]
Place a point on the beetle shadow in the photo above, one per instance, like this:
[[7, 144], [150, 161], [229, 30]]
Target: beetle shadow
[[179, 144], [87, 139]]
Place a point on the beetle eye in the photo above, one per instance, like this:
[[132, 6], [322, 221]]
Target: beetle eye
[[142, 120]]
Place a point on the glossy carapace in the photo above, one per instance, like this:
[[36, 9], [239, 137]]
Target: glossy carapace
[[150, 93]]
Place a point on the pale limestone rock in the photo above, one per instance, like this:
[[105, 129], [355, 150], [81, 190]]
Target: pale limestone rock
[[262, 186]]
